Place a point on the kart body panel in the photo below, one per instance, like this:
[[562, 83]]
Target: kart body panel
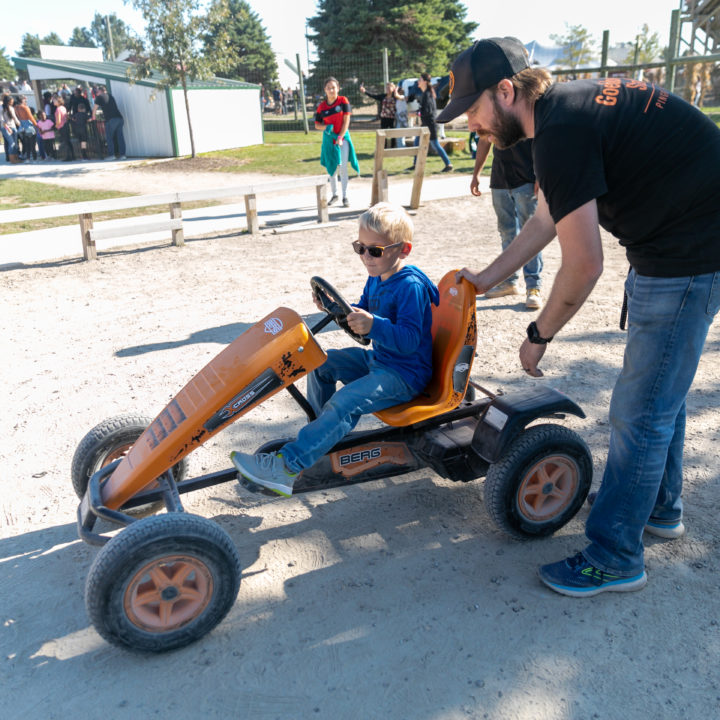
[[269, 356]]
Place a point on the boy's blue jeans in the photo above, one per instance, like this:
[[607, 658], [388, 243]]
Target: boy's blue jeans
[[368, 387], [668, 321], [513, 209]]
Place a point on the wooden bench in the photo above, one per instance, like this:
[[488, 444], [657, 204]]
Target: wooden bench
[[90, 234]]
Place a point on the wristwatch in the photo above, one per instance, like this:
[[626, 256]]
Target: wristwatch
[[534, 335]]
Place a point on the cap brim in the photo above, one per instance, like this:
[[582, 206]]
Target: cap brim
[[456, 107]]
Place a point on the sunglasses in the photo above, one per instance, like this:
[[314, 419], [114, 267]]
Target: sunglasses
[[375, 251]]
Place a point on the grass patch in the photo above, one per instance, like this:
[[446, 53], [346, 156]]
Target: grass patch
[[15, 194], [294, 153]]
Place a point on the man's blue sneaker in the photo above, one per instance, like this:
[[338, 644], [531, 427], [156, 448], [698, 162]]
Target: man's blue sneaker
[[265, 469], [576, 577], [668, 529]]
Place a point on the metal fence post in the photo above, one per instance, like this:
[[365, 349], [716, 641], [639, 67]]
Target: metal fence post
[[386, 68], [673, 49], [604, 58], [302, 93]]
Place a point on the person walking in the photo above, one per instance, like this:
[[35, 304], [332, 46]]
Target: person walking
[[514, 198], [645, 165], [428, 115], [333, 118]]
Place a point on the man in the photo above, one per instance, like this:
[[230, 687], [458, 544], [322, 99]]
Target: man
[[114, 122], [645, 165], [512, 185]]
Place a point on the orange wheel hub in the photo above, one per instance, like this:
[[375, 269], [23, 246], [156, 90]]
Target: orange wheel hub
[[548, 488], [168, 593]]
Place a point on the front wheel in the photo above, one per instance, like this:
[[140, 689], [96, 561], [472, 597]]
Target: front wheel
[[539, 483], [110, 441], [163, 582]]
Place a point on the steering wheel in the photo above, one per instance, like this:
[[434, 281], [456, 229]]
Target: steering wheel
[[335, 305]]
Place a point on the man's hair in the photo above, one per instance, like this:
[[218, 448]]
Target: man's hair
[[530, 83], [389, 221]]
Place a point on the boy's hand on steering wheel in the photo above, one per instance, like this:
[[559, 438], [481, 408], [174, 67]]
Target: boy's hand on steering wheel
[[317, 302], [360, 321]]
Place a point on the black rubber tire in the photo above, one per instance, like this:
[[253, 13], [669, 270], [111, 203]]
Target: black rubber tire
[[526, 505], [104, 440], [119, 570]]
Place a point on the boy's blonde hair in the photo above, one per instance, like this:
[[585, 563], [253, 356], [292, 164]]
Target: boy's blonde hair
[[389, 221]]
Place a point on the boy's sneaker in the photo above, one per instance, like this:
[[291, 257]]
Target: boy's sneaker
[[504, 288], [533, 301], [265, 469], [332, 200], [668, 529], [576, 577]]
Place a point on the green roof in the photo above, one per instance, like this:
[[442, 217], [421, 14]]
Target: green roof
[[119, 71]]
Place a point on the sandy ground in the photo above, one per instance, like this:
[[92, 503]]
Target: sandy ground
[[395, 599]]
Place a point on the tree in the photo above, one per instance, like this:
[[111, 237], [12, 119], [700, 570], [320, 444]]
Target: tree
[[30, 46], [646, 49], [7, 69], [123, 37], [81, 37], [577, 44], [254, 59], [175, 31], [420, 36]]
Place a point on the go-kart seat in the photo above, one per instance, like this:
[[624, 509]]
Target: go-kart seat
[[454, 333]]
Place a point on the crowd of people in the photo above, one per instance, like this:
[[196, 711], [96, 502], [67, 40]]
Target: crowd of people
[[66, 119]]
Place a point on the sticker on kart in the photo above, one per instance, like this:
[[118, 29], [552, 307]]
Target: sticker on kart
[[355, 460]]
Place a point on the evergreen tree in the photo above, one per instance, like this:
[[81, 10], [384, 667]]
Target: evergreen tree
[[7, 69], [81, 37], [420, 36], [30, 46], [253, 58], [123, 38]]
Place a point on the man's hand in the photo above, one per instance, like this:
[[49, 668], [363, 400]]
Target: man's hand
[[530, 356], [360, 321], [475, 186], [475, 277]]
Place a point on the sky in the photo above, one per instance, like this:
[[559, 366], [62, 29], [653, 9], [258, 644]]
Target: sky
[[284, 20]]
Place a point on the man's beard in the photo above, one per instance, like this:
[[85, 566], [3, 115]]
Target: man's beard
[[508, 129]]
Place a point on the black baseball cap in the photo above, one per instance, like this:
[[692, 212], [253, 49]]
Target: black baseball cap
[[479, 67]]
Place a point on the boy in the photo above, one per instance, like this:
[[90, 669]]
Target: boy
[[395, 312]]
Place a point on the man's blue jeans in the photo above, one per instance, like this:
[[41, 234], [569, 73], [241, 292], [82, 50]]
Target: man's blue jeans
[[668, 321], [513, 209], [368, 387], [114, 136]]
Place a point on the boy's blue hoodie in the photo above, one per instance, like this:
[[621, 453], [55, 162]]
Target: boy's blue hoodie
[[401, 330]]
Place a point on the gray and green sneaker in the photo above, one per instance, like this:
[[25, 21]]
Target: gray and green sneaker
[[265, 469], [576, 577]]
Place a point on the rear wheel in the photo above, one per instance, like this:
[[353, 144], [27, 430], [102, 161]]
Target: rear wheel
[[110, 441], [163, 582], [540, 482]]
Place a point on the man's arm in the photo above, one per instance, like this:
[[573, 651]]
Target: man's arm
[[537, 232], [580, 268], [481, 154]]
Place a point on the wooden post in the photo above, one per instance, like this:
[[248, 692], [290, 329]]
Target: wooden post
[[381, 180], [178, 236], [88, 244], [379, 153], [420, 168], [253, 225], [322, 206]]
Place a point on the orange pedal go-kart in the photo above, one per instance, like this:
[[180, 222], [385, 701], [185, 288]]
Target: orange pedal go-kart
[[167, 580]]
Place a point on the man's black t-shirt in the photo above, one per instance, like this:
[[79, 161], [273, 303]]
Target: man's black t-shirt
[[107, 104], [512, 167], [650, 159]]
